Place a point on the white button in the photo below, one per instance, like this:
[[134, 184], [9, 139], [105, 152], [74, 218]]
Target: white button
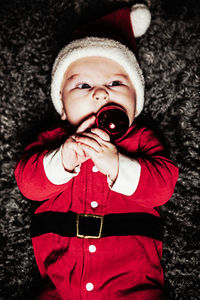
[[94, 169], [92, 248], [89, 286], [94, 204]]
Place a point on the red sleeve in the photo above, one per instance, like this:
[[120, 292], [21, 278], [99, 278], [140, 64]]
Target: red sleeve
[[29, 171], [158, 174]]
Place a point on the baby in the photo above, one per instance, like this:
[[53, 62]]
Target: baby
[[98, 233]]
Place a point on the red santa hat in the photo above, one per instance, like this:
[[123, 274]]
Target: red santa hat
[[112, 36]]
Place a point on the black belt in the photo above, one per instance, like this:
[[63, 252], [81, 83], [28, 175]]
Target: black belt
[[72, 224]]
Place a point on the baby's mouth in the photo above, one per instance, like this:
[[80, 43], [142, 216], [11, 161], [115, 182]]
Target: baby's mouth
[[113, 119]]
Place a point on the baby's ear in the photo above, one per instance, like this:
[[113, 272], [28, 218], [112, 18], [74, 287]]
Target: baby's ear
[[63, 115], [140, 19]]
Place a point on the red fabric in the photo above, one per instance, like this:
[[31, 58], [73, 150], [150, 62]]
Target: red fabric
[[116, 25], [122, 267]]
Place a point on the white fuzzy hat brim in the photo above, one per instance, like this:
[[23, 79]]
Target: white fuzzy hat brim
[[92, 46]]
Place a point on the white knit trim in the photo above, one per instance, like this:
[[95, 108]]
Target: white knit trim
[[92, 46]]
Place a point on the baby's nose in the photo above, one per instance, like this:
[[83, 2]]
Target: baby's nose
[[100, 94]]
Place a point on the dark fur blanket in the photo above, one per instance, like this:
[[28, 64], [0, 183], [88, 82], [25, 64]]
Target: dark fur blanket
[[32, 32]]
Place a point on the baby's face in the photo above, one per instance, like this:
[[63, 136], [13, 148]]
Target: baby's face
[[93, 82]]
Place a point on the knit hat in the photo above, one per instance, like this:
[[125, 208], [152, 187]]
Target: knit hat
[[113, 37]]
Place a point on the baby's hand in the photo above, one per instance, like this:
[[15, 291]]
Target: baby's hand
[[96, 144], [72, 154]]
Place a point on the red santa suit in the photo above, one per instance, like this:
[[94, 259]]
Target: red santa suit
[[110, 267]]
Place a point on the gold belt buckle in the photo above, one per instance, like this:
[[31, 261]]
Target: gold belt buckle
[[79, 235]]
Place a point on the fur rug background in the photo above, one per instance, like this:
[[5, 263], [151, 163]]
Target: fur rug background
[[32, 32]]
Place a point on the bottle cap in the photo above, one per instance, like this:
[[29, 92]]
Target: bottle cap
[[114, 120]]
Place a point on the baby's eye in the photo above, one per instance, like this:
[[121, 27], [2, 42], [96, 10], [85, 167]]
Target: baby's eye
[[84, 86], [115, 83]]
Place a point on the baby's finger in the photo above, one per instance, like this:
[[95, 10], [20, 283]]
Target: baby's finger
[[91, 152], [101, 133], [92, 136], [79, 150], [89, 142], [73, 146], [86, 124]]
